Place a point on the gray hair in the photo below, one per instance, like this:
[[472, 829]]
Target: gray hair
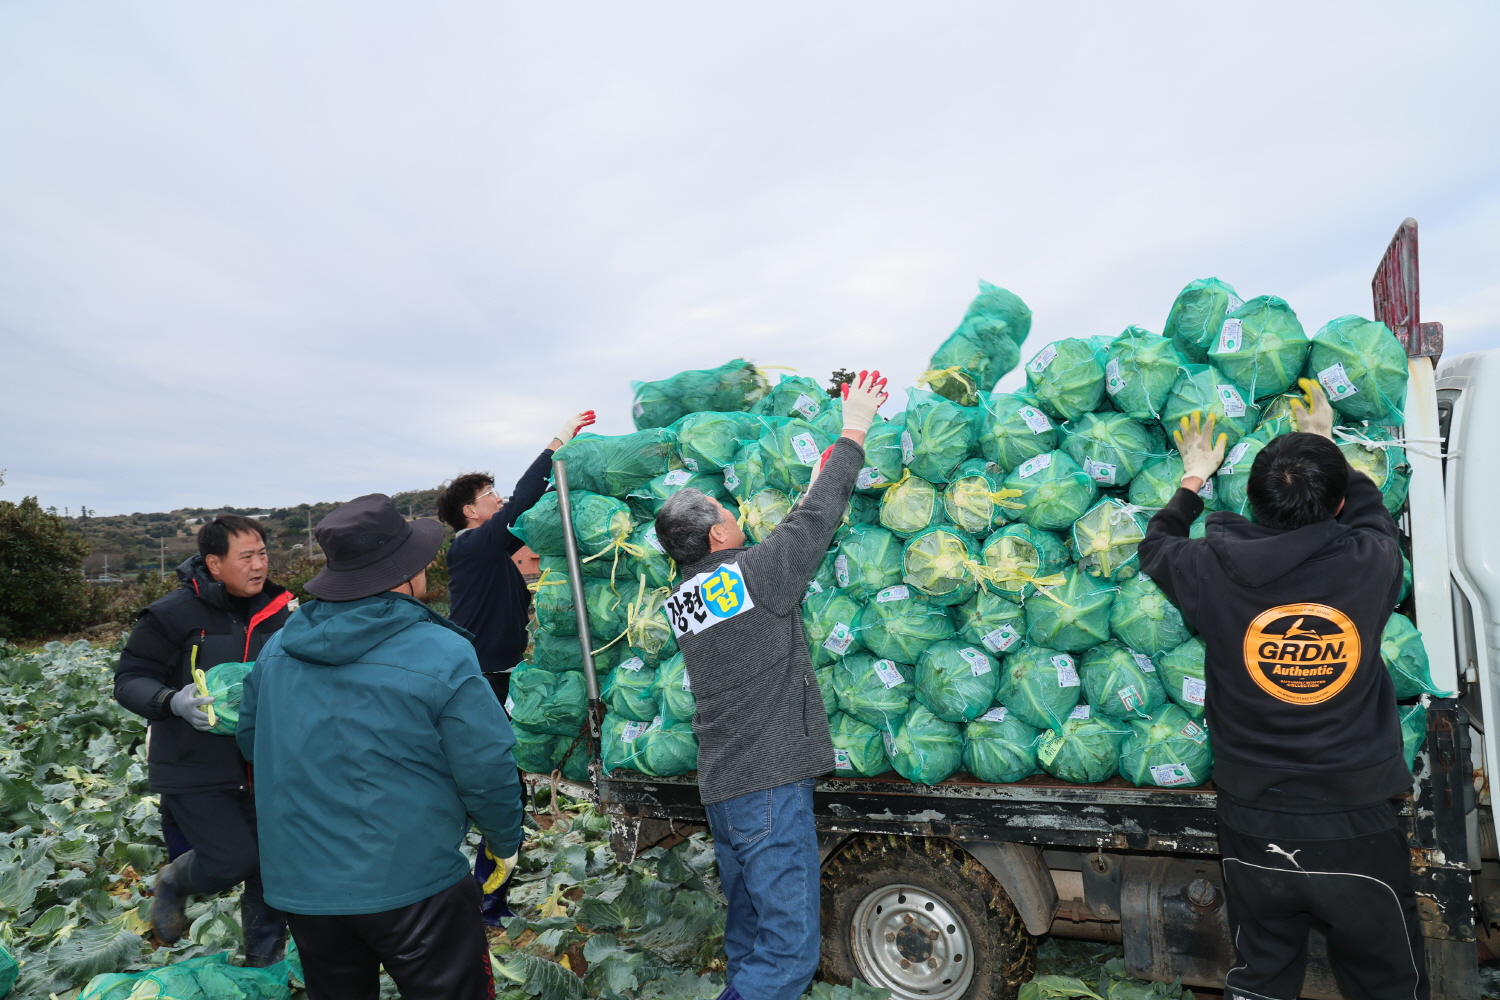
[[683, 522]]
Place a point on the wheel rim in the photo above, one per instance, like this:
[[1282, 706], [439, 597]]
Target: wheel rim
[[913, 943]]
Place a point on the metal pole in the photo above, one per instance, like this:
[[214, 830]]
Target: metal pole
[[575, 578]]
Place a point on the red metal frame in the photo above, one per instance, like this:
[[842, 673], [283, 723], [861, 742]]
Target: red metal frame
[[1398, 296]]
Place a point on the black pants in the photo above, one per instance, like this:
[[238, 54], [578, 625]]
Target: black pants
[[1359, 890], [434, 949], [220, 826]]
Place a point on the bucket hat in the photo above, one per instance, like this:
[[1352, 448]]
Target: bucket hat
[[371, 548]]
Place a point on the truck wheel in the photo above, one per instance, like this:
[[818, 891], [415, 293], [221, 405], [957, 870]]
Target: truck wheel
[[923, 919]]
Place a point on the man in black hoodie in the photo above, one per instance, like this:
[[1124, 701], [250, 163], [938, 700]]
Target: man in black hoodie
[[1302, 712]]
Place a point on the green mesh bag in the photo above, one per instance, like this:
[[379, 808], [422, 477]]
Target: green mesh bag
[[1232, 481], [1071, 616], [630, 692], [1197, 316], [986, 345], [226, 683], [909, 506], [1413, 731], [617, 742], [1386, 466], [1067, 378], [825, 577], [540, 527], [645, 556], [1083, 750], [794, 396], [884, 458], [824, 677], [956, 681], [1111, 447], [992, 621], [862, 509], [1143, 619], [924, 749], [1121, 682], [871, 689], [615, 465], [1362, 367], [938, 561], [1013, 428], [1405, 659], [746, 475], [1017, 556], [607, 608], [547, 702], [1168, 750], [999, 748], [553, 601], [648, 632], [791, 448], [828, 619], [1206, 389], [737, 385], [706, 442], [600, 524], [1182, 675], [562, 652], [868, 561], [674, 690], [1261, 347], [1277, 416], [1107, 538], [761, 513], [831, 419], [973, 499], [1159, 481], [1055, 492], [1405, 580], [574, 762], [899, 623], [646, 501], [210, 977], [1140, 368], [536, 753], [1040, 686], [940, 434], [858, 748], [667, 749]]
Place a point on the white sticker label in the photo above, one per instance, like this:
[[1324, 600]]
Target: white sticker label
[[1100, 472], [841, 569], [677, 477], [996, 714], [637, 410], [510, 705], [730, 479], [839, 639], [1195, 732], [1130, 697], [653, 541], [890, 744], [841, 760], [979, 664], [708, 599], [1336, 383], [900, 592], [631, 731], [869, 476], [1114, 381], [1231, 336], [1232, 302], [1034, 464], [807, 406], [1193, 690], [1043, 358], [1001, 639], [1067, 671], [1235, 454], [908, 448], [888, 674], [1207, 490], [1172, 774], [687, 682], [1035, 419], [813, 587], [633, 664], [805, 447], [1234, 403], [1079, 712], [691, 463], [1144, 662]]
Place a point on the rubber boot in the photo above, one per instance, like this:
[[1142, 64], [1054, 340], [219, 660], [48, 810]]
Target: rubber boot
[[169, 897], [264, 927]]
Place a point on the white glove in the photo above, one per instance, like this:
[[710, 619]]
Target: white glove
[[187, 703], [1201, 455], [862, 398], [575, 423], [1316, 415]]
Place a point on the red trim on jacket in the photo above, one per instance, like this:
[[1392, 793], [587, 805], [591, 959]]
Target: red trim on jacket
[[277, 603]]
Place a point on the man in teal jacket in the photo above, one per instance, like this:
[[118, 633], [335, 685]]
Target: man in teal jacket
[[375, 743]]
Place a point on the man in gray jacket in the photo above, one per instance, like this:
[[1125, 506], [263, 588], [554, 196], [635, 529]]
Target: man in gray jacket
[[762, 732]]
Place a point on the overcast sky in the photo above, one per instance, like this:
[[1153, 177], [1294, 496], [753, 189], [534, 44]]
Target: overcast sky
[[264, 254]]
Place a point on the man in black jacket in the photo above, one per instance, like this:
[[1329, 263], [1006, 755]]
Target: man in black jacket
[[1307, 744], [224, 611]]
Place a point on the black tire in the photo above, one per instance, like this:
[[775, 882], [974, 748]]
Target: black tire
[[975, 913]]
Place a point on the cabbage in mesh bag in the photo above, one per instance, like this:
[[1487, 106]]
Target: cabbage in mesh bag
[[562, 652], [1111, 447], [986, 345], [536, 753], [1232, 481], [858, 748], [1181, 671], [617, 739], [938, 561], [1205, 388], [794, 396], [1362, 367], [899, 623], [1000, 748], [547, 702], [941, 434], [1071, 616], [1154, 487], [1405, 580], [630, 691], [1143, 619], [667, 749], [1168, 750], [1013, 428], [1055, 492], [1018, 557], [761, 513], [607, 608], [674, 690], [1107, 538], [1067, 378], [1083, 751], [974, 498], [600, 524], [645, 502], [226, 684], [707, 441], [615, 465], [1140, 368], [1405, 659], [1277, 416], [553, 602], [1413, 731], [824, 677], [1040, 686], [540, 527], [645, 556], [909, 506], [868, 561], [1197, 317], [924, 749], [884, 458], [737, 385], [992, 621], [872, 689], [746, 475], [1121, 682], [1386, 466], [791, 448], [828, 619], [956, 681], [1261, 346]]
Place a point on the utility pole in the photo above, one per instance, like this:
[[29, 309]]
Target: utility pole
[[161, 559]]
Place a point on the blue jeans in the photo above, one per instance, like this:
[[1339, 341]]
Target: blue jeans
[[767, 851]]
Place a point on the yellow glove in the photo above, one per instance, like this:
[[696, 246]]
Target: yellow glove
[[504, 869], [1201, 455], [1315, 416]]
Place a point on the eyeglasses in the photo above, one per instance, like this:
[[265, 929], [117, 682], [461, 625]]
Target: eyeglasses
[[487, 493]]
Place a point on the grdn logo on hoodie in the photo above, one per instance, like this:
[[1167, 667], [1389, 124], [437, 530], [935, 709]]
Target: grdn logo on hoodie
[[1302, 654]]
